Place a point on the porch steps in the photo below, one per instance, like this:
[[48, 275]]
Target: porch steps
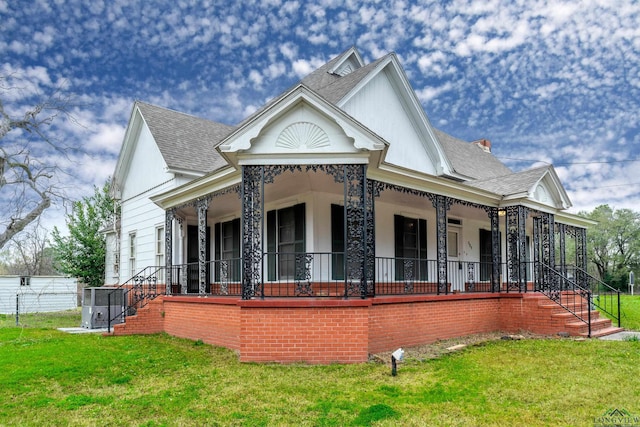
[[147, 320], [568, 322]]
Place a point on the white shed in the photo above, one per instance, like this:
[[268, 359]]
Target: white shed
[[34, 294]]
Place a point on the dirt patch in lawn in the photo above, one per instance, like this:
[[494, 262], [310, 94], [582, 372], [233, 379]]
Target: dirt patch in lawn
[[448, 346]]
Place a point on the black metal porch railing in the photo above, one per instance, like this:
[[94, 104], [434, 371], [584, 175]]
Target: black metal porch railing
[[604, 297], [313, 274], [573, 297], [143, 287]]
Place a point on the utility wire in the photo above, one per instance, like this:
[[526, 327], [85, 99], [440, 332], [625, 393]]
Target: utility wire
[[595, 162]]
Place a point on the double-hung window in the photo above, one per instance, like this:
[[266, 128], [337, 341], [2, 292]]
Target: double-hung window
[[285, 240], [227, 249], [132, 254]]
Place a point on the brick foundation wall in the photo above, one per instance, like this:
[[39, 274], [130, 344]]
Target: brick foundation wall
[[308, 331], [409, 321], [215, 321], [322, 331]]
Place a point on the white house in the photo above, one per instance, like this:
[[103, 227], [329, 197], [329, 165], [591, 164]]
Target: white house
[[339, 187]]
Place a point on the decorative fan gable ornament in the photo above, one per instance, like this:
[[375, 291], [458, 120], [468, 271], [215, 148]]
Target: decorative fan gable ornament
[[302, 135]]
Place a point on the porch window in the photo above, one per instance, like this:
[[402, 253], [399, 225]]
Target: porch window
[[228, 248], [285, 239], [410, 248]]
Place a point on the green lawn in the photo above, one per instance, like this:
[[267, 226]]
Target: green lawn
[[60, 319], [630, 307], [52, 378]]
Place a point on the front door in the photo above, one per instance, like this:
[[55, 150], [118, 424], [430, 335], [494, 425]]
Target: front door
[[193, 275]]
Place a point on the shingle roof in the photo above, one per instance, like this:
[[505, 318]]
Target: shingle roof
[[470, 160], [186, 142], [329, 86], [332, 87], [513, 183]]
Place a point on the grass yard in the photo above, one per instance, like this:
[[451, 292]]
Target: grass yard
[[60, 319], [630, 307], [51, 378]]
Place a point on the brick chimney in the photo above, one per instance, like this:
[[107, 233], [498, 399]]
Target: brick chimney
[[485, 144]]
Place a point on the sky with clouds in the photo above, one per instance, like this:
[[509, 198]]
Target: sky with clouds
[[545, 81]]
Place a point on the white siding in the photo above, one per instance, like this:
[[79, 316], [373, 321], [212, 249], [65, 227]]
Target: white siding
[[111, 276], [378, 107], [140, 216], [146, 177], [43, 294], [147, 167]]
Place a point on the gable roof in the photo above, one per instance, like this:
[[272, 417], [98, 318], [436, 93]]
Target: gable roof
[[189, 143], [470, 160], [186, 142], [524, 184], [333, 87]]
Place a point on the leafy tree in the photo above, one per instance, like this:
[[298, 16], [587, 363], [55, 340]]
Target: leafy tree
[[614, 244], [81, 254]]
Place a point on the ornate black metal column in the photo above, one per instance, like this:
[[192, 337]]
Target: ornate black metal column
[[202, 205], [442, 205], [495, 249], [537, 267], [581, 256], [516, 248], [252, 192], [168, 247], [356, 229], [561, 230], [370, 231]]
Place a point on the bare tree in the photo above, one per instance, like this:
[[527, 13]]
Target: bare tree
[[29, 253], [28, 181]]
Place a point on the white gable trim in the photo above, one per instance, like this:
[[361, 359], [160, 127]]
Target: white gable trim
[[546, 194], [131, 135], [549, 190], [242, 146]]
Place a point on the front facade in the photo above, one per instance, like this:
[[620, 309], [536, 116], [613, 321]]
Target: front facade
[[338, 190]]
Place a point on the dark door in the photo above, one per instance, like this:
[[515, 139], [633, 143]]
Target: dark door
[[193, 275]]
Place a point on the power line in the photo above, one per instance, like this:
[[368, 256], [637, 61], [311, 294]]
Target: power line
[[595, 162], [607, 186]]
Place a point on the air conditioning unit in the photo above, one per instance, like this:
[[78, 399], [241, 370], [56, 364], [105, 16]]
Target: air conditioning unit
[[95, 307]]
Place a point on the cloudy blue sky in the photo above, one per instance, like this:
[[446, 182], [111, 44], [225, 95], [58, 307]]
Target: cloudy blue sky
[[546, 81]]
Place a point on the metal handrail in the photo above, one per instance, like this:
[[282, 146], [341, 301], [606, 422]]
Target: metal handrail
[[606, 298], [138, 291], [566, 293]]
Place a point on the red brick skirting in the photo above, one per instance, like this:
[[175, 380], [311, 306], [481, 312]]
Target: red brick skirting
[[322, 331]]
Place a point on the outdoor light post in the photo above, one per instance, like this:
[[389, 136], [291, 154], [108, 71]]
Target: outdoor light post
[[631, 281], [395, 356]]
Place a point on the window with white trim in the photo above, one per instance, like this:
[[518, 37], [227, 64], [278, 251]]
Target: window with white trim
[[132, 254], [160, 248]]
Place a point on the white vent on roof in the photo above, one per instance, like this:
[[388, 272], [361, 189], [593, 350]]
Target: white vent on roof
[[343, 71]]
